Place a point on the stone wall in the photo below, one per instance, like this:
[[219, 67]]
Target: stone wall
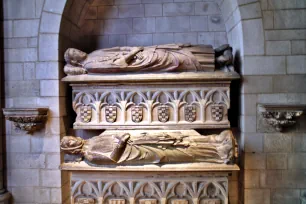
[[270, 36]]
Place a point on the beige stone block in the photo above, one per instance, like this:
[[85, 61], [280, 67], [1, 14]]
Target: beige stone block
[[216, 23], [248, 124], [163, 38], [277, 161], [53, 161], [43, 144], [289, 84], [257, 84], [251, 179], [29, 71], [233, 189], [118, 26], [253, 37], [299, 142], [296, 64], [298, 47], [191, 38], [296, 161], [144, 25], [127, 11], [153, 10], [23, 194], [286, 34], [265, 65], [283, 4], [48, 47], [198, 23], [250, 11], [271, 179], [272, 98], [206, 8], [50, 23], [255, 161], [277, 142], [285, 196], [13, 71], [253, 142], [172, 24], [42, 195], [268, 20], [294, 178], [56, 195], [108, 12], [26, 9], [278, 48], [257, 196], [26, 161], [50, 178], [248, 104], [25, 28], [178, 9], [23, 177], [54, 6], [285, 19], [20, 55], [15, 43]]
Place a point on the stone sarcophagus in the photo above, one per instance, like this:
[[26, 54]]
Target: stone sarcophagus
[[150, 152]]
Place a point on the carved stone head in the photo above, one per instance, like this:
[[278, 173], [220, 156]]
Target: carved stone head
[[74, 56], [72, 145]]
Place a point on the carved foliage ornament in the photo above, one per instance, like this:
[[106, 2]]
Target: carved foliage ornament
[[281, 116], [27, 119]]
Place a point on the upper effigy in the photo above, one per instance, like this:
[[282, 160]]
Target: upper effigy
[[159, 58]]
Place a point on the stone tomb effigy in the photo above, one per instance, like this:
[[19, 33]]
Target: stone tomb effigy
[[149, 100]]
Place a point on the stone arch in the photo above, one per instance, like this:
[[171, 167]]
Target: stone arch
[[243, 21]]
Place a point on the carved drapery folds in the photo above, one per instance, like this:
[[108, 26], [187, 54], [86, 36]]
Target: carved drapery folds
[[27, 119], [153, 107], [151, 191], [281, 116]]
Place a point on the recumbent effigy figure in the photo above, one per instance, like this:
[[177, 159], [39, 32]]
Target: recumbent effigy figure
[[159, 58], [152, 148]]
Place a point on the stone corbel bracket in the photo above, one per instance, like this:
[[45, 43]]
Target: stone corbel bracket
[[27, 119], [281, 116]]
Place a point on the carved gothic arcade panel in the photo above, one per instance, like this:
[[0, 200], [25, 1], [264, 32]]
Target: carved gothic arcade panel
[[139, 107], [187, 190]]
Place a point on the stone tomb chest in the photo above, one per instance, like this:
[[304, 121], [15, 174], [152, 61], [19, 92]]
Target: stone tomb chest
[[149, 152]]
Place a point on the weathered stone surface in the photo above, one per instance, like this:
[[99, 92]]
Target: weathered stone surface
[[127, 1], [118, 26], [281, 4], [206, 38], [56, 195], [298, 47], [198, 23], [278, 47], [163, 38], [299, 142], [126, 11], [26, 161], [172, 24], [50, 23], [22, 88], [40, 144], [53, 161], [117, 40], [18, 144], [50, 178], [296, 161], [251, 179], [26, 9], [253, 142], [153, 10], [216, 23], [49, 88], [139, 40], [285, 34], [206, 8], [29, 71], [20, 55], [255, 161], [277, 161], [257, 84], [144, 25], [47, 70], [13, 71], [7, 29], [257, 196], [178, 9], [296, 64], [107, 12], [54, 6], [248, 124], [48, 47], [285, 196], [253, 37], [289, 84], [261, 65], [284, 19], [32, 42], [15, 43], [191, 38], [23, 177], [268, 21], [42, 195], [250, 11], [277, 143], [23, 194], [220, 39], [248, 104]]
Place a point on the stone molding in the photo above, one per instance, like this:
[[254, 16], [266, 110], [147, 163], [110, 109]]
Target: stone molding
[[281, 116], [27, 119]]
